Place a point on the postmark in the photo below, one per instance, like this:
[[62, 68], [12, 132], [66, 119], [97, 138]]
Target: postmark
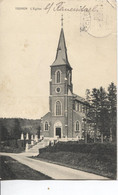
[[85, 21], [99, 22]]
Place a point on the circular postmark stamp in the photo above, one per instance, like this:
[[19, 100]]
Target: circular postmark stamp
[[98, 22]]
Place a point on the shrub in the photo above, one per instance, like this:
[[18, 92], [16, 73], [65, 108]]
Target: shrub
[[93, 148]]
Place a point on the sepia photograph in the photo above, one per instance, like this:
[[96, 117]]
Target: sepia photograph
[[58, 90]]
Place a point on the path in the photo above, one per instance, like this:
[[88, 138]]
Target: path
[[52, 170]]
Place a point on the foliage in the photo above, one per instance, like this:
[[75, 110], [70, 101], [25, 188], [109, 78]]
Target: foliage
[[112, 107], [95, 158], [102, 111], [93, 148], [11, 128]]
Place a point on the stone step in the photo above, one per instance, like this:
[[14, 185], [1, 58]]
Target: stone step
[[35, 148]]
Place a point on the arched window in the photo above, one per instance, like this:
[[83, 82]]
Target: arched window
[[77, 126], [46, 126], [58, 77], [58, 108]]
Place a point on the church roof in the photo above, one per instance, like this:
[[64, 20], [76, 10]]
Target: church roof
[[77, 97], [80, 99], [46, 115], [61, 55]]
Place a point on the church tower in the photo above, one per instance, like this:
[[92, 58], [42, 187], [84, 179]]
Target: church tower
[[60, 89], [66, 110]]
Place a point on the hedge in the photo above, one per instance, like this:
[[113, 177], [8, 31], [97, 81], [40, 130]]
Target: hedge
[[93, 148]]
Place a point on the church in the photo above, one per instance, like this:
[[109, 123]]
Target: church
[[66, 109]]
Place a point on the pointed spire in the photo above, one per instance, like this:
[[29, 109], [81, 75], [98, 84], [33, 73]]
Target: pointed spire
[[61, 55]]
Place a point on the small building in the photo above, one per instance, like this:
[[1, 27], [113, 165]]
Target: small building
[[66, 109]]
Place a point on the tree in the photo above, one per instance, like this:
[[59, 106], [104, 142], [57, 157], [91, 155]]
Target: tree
[[38, 131], [99, 112], [94, 111], [16, 131], [88, 95], [112, 109], [103, 113], [87, 119], [3, 133]]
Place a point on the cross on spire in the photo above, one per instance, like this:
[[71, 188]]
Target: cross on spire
[[62, 21]]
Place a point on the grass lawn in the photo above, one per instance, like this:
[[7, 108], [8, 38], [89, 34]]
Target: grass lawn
[[12, 169], [10, 149], [93, 158]]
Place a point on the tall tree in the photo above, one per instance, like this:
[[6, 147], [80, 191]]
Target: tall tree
[[99, 112], [88, 95], [87, 120], [94, 111], [103, 113], [112, 109]]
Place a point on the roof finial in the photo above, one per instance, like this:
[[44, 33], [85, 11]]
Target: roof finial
[[62, 21]]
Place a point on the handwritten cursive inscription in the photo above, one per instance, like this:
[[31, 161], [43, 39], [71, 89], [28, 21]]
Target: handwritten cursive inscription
[[61, 6]]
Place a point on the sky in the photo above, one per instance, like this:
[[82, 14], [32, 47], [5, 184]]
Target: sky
[[29, 34]]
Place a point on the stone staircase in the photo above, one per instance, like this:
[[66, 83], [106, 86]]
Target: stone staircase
[[34, 150]]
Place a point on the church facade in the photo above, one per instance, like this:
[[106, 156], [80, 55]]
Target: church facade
[[66, 109]]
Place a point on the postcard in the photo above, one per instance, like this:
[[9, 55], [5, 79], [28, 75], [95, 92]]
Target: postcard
[[58, 90]]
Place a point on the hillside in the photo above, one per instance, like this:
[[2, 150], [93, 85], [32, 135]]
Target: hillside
[[10, 127]]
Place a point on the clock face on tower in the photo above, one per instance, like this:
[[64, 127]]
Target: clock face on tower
[[58, 89]]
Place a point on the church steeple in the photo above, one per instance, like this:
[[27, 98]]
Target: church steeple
[[61, 55]]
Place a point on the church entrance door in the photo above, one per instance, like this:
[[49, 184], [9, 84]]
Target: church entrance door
[[58, 129], [58, 132]]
